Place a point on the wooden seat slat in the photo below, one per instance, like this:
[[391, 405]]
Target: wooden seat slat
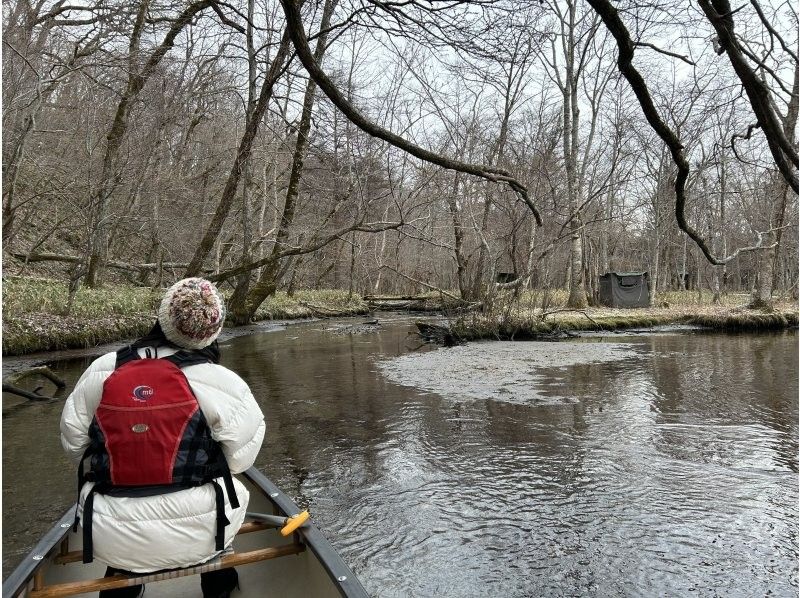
[[120, 581]]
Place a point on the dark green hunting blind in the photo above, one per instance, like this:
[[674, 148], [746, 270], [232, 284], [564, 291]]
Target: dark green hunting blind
[[625, 289], [505, 277]]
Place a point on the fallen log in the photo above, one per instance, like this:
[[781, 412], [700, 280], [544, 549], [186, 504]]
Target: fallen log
[[10, 382], [43, 370], [319, 309], [16, 390], [370, 298], [72, 259]]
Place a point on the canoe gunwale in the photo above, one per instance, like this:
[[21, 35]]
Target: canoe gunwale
[[340, 574], [19, 578]]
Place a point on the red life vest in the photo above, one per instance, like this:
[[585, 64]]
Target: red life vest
[[145, 411], [149, 436]]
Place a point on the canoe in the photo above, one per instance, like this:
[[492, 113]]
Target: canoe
[[269, 564]]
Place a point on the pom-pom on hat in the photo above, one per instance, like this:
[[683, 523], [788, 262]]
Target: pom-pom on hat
[[192, 313]]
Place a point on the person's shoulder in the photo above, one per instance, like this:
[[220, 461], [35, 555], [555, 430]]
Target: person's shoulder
[[105, 363], [97, 372], [214, 374], [223, 372]]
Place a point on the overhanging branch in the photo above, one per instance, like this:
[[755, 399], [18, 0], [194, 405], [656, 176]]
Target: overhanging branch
[[782, 148], [294, 26], [312, 246], [625, 44]]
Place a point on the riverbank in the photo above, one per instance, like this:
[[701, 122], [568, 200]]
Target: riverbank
[[522, 324], [34, 317]]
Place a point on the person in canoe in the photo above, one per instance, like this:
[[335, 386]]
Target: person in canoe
[[158, 428]]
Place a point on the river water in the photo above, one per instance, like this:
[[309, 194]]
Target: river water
[[629, 465]]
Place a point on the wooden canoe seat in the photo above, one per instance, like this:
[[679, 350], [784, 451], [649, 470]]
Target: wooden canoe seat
[[225, 561]]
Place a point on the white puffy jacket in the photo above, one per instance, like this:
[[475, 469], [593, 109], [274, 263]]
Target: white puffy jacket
[[176, 529]]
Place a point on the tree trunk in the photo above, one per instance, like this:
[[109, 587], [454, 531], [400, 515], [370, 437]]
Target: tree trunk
[[243, 280], [720, 272], [379, 277], [762, 290], [458, 238], [780, 187], [242, 155], [577, 291], [244, 311], [351, 287], [109, 177], [476, 291]]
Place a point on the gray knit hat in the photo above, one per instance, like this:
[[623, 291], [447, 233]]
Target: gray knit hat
[[192, 313]]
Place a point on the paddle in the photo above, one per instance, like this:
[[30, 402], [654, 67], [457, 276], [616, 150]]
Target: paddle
[[287, 524]]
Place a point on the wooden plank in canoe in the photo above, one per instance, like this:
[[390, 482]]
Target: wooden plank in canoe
[[121, 581]]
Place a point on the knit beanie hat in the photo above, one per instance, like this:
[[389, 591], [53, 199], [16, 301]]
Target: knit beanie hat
[[192, 313]]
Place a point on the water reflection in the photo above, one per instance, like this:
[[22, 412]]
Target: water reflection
[[669, 472]]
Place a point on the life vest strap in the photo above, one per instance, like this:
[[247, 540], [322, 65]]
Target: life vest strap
[[80, 484], [222, 520], [125, 355], [227, 478], [90, 450], [184, 358], [88, 510]]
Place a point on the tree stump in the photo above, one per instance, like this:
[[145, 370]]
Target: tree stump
[[436, 333]]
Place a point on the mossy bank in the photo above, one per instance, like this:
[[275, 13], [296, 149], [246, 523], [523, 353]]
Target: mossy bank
[[533, 324], [35, 316]]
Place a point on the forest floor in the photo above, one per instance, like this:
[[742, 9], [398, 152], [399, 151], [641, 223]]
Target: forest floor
[[35, 318]]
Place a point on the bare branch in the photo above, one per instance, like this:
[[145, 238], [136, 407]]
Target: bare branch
[[374, 227], [611, 18], [772, 32], [665, 52], [424, 284], [295, 27]]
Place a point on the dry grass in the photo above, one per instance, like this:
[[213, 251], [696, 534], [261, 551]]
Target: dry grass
[[309, 304], [39, 295], [518, 323], [558, 298], [542, 312], [34, 317]]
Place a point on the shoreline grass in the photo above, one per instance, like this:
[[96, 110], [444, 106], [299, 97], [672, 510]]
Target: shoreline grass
[[531, 324], [311, 304], [34, 317]]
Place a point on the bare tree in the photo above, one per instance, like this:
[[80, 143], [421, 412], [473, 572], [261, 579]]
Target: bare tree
[[137, 78], [244, 305]]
